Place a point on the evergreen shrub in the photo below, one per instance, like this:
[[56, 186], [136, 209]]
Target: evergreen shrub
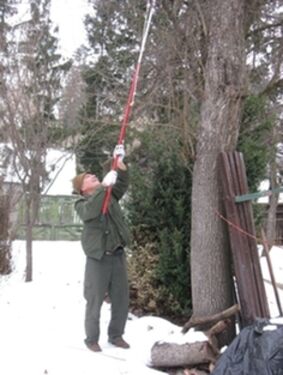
[[255, 142], [159, 210]]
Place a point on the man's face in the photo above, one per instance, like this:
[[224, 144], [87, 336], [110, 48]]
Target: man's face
[[90, 183]]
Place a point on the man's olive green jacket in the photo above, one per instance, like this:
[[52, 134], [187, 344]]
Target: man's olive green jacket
[[103, 232]]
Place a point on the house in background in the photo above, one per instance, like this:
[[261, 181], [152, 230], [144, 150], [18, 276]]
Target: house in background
[[57, 218]]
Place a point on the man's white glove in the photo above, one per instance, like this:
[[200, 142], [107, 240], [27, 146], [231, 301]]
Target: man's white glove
[[119, 151], [110, 179]]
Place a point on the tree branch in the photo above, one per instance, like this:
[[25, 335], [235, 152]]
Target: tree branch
[[205, 320]]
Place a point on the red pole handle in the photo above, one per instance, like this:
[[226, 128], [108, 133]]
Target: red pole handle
[[125, 121], [131, 97]]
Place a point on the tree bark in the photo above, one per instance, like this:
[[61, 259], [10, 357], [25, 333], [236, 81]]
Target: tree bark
[[176, 355], [220, 113], [29, 226], [208, 321], [5, 244]]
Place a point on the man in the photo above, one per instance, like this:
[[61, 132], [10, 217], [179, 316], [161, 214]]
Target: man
[[103, 240]]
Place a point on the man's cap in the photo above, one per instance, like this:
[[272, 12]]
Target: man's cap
[[77, 183]]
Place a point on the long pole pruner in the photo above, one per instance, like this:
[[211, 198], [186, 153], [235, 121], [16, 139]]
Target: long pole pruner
[[131, 96]]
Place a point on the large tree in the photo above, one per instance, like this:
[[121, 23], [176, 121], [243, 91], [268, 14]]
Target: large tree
[[219, 127], [7, 9], [230, 26], [30, 91]]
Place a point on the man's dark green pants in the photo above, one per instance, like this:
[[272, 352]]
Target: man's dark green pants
[[108, 275]]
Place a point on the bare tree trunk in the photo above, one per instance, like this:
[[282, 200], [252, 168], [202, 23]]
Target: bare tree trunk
[[220, 113], [273, 203], [29, 226], [5, 244], [29, 253], [9, 197]]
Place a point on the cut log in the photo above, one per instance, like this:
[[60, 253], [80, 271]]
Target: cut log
[[204, 322], [182, 355]]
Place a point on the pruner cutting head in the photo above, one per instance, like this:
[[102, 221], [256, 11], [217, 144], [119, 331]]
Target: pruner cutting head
[[150, 5], [152, 2]]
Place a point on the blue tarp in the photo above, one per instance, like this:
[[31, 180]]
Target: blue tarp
[[257, 350]]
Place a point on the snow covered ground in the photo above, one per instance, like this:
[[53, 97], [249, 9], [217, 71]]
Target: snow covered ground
[[41, 322], [276, 257]]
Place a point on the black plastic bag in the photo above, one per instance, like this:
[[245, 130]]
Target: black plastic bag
[[257, 350]]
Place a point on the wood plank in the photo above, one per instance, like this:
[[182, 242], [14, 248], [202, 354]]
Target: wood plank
[[251, 292], [247, 224], [252, 241], [236, 242]]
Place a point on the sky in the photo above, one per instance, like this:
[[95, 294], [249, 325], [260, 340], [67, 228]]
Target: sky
[[61, 166], [41, 322], [69, 15]]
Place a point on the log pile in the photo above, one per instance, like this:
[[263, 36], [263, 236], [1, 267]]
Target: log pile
[[193, 358]]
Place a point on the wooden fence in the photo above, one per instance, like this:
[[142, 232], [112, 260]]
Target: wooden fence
[[57, 219]]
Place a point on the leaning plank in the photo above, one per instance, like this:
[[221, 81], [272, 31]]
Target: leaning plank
[[248, 222], [250, 288], [271, 273], [236, 239], [181, 355]]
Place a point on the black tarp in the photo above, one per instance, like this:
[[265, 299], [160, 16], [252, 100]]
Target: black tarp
[[257, 350]]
